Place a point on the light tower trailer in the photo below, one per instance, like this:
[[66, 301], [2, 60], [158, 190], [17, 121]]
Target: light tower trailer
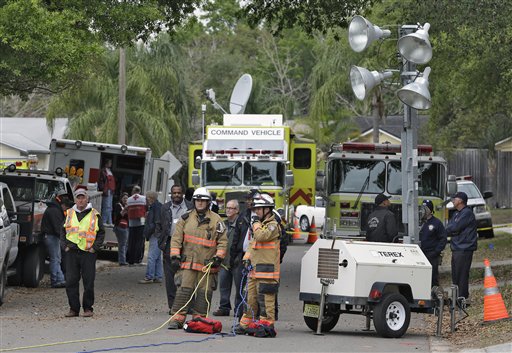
[[382, 281]]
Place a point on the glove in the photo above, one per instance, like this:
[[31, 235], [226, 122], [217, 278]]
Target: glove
[[246, 264], [175, 263], [216, 261]]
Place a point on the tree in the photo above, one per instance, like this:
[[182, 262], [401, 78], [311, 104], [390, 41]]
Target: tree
[[51, 44], [158, 101], [311, 16]]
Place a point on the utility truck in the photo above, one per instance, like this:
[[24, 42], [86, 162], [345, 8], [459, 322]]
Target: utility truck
[[82, 161], [357, 172], [254, 152]]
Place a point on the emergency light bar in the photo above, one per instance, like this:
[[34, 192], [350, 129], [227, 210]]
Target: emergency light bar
[[237, 151], [464, 177], [376, 147]]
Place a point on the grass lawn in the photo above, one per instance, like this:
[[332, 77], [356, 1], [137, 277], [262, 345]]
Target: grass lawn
[[501, 215]]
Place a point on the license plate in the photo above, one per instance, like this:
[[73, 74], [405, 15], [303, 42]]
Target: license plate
[[312, 310]]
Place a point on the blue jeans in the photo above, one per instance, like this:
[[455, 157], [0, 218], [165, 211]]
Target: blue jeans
[[53, 246], [226, 279], [154, 268], [122, 244], [106, 208]]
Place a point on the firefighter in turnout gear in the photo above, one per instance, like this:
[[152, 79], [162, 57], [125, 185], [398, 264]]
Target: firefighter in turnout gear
[[262, 260], [198, 240]]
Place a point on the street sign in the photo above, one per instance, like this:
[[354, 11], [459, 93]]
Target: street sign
[[174, 163]]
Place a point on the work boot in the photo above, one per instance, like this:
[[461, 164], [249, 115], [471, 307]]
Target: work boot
[[87, 313], [71, 313], [175, 325], [221, 312], [240, 330]]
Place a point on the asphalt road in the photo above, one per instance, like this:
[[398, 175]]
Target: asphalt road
[[34, 316]]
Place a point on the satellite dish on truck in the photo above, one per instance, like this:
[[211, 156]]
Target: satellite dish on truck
[[240, 94]]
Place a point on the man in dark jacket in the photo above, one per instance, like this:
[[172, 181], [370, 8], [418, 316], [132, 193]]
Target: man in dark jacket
[[81, 252], [432, 239], [171, 212], [51, 225], [381, 225], [462, 230]]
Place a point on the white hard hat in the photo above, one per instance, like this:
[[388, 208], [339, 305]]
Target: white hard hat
[[264, 200], [202, 194]]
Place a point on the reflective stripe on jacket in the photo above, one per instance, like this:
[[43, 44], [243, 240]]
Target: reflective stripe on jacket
[[197, 242], [264, 251], [82, 233]]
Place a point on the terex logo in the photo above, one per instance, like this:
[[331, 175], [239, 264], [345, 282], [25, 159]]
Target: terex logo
[[390, 253]]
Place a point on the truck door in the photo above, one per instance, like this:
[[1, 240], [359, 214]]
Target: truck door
[[159, 178]]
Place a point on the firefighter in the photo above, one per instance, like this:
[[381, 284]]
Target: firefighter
[[198, 240], [262, 260]]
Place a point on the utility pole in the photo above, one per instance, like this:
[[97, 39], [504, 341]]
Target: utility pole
[[121, 132]]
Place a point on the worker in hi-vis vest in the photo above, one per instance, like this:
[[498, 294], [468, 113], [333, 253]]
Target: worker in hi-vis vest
[[82, 237]]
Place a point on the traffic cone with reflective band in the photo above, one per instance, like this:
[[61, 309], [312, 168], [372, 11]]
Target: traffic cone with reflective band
[[494, 306], [313, 235], [296, 230]]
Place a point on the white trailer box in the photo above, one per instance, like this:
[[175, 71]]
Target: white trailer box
[[352, 268]]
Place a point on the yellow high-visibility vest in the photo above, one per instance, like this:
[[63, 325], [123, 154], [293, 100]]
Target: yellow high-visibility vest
[[82, 233]]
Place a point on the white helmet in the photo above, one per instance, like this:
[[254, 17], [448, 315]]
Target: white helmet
[[265, 200], [202, 194]]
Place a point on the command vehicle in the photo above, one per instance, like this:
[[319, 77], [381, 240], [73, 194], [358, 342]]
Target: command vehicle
[[9, 234], [31, 190], [357, 172], [131, 165], [254, 152]]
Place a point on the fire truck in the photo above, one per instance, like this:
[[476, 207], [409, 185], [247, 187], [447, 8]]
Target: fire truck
[[28, 162], [254, 152], [357, 172]]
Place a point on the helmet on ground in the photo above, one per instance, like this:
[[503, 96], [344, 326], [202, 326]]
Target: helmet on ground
[[264, 200], [202, 194]]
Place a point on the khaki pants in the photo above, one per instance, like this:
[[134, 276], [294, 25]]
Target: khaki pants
[[189, 280], [261, 297]]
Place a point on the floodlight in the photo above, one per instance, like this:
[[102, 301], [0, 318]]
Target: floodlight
[[415, 47], [362, 80], [416, 94], [361, 33]]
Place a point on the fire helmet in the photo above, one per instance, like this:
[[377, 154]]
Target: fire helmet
[[264, 200], [202, 194]]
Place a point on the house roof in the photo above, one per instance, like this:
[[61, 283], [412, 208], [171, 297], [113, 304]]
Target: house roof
[[391, 125], [30, 135]]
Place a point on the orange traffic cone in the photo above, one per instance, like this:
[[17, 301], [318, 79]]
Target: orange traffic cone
[[312, 235], [494, 306], [296, 230]]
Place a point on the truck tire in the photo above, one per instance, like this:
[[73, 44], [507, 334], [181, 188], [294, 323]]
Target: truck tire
[[3, 283], [328, 323], [391, 316], [33, 266], [304, 224], [487, 234], [16, 279]]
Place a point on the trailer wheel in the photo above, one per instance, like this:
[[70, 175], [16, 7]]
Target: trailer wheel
[[3, 282], [391, 316], [33, 266], [328, 323], [304, 224]]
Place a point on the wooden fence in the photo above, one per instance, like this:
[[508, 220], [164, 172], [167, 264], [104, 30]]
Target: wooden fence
[[489, 175]]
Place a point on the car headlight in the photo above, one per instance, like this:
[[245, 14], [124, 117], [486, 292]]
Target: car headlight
[[479, 209]]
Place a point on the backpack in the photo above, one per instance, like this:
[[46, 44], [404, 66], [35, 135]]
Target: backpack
[[203, 325]]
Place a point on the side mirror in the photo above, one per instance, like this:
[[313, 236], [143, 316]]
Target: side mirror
[[195, 177], [320, 180], [197, 162], [488, 194], [289, 179], [451, 185]]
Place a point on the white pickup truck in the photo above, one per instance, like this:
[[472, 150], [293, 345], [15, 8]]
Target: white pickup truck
[[9, 234], [305, 214]]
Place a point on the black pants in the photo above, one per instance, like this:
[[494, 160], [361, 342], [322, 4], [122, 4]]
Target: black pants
[[135, 251], [80, 264], [170, 286], [433, 258], [461, 264]]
